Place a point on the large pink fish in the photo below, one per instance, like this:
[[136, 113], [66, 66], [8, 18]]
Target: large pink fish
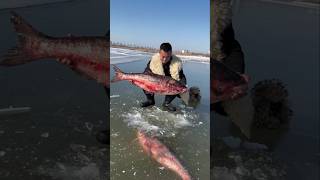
[[150, 82], [162, 155], [86, 55]]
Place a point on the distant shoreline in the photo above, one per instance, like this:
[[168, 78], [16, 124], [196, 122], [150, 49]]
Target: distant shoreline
[[152, 50], [183, 57]]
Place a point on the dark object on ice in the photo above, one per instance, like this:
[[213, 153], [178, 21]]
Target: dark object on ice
[[270, 101], [191, 97]]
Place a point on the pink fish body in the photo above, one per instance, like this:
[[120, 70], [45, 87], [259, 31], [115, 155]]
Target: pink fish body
[[162, 155], [86, 55], [152, 83]]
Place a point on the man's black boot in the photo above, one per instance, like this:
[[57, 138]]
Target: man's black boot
[[149, 101], [168, 107], [166, 104]]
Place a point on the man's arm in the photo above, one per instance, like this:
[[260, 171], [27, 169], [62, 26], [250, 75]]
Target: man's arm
[[147, 70], [234, 55], [182, 77]]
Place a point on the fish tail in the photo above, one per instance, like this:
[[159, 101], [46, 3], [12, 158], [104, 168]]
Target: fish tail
[[118, 76], [22, 27], [26, 33]]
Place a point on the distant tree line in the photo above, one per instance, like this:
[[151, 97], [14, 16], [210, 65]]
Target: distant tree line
[[151, 49]]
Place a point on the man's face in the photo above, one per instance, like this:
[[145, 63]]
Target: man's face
[[165, 56]]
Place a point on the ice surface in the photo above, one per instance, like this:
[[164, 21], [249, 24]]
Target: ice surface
[[158, 122]]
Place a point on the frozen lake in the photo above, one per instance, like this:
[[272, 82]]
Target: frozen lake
[[185, 133]]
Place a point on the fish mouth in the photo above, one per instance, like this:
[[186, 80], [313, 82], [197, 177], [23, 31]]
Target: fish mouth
[[229, 90]]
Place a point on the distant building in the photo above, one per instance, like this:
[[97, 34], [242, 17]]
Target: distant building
[[185, 51]]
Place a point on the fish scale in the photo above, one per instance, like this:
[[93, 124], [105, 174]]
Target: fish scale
[[159, 152]]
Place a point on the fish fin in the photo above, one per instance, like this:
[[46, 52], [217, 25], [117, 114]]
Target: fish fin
[[118, 75], [22, 27], [26, 32], [15, 56]]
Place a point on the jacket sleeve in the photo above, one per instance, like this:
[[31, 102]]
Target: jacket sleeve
[[234, 55], [235, 59], [147, 69], [182, 77]]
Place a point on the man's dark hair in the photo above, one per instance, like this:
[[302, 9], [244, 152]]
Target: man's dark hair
[[166, 47]]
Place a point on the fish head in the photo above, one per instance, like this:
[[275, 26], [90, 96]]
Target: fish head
[[143, 140], [176, 87], [149, 144], [141, 136], [227, 84]]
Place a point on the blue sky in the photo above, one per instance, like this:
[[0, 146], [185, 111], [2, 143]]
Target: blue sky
[[185, 24]]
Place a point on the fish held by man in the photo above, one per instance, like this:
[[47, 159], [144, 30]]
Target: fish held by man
[[88, 56], [226, 84], [159, 152], [150, 82]]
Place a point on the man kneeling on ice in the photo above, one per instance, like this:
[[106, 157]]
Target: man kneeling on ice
[[166, 64]]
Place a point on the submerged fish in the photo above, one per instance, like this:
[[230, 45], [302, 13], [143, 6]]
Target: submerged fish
[[152, 83], [87, 55], [162, 155], [226, 84]]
